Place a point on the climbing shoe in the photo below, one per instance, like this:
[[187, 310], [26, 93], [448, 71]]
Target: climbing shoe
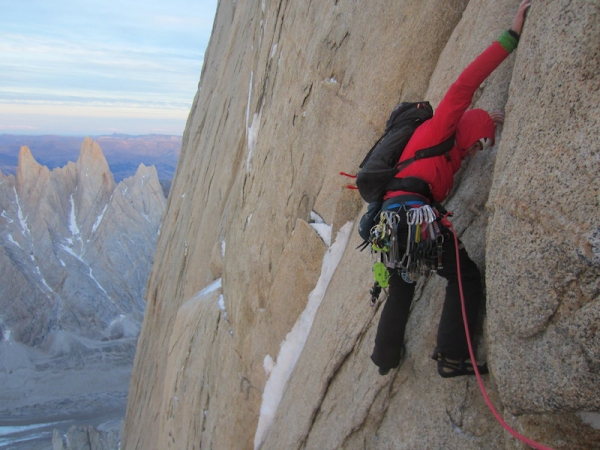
[[385, 370], [450, 368]]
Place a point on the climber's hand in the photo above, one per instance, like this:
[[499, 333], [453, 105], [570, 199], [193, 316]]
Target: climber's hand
[[497, 117], [517, 24]]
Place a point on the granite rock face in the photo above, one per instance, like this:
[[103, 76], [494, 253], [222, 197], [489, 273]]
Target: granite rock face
[[544, 292], [258, 331], [85, 438]]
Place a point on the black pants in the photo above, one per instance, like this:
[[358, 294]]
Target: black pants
[[451, 337]]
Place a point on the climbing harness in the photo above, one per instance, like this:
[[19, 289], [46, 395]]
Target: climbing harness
[[499, 418], [421, 253]]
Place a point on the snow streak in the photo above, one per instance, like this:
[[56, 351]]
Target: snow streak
[[29, 238], [73, 220], [22, 219], [210, 288], [99, 219], [322, 229], [76, 233]]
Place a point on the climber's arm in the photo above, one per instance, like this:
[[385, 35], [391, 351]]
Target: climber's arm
[[460, 95]]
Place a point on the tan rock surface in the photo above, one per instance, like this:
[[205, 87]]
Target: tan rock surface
[[544, 293], [291, 94]]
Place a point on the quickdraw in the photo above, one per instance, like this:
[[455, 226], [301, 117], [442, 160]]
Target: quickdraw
[[420, 256], [424, 242]]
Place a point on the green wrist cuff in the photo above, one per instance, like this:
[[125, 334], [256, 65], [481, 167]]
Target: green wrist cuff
[[508, 41]]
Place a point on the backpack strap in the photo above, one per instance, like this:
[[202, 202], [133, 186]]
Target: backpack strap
[[410, 184], [407, 116], [437, 150], [372, 149]]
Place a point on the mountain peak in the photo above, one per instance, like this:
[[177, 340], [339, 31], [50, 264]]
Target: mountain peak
[[91, 154], [146, 170], [28, 168], [92, 167]]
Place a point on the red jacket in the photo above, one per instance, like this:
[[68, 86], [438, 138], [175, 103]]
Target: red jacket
[[451, 116]]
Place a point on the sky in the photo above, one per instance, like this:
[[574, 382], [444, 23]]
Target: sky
[[94, 67]]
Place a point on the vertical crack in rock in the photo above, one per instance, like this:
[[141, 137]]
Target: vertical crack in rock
[[205, 411], [209, 187], [317, 410], [336, 371], [368, 414], [182, 270], [387, 400], [308, 91], [455, 415], [335, 43], [246, 386]]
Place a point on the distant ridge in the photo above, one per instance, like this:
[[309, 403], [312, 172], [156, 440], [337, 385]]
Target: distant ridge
[[123, 152]]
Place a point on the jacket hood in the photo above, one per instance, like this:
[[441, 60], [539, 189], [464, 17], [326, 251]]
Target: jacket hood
[[474, 125]]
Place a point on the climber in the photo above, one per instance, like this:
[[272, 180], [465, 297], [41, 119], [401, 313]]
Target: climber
[[432, 178]]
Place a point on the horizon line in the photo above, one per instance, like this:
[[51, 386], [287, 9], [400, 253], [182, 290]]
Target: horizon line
[[89, 135]]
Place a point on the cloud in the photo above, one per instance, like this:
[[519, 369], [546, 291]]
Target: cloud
[[88, 57]]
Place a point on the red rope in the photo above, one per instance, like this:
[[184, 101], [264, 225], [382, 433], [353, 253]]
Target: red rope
[[520, 437]]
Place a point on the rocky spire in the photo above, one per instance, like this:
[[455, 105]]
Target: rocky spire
[[95, 183], [92, 163], [28, 169]]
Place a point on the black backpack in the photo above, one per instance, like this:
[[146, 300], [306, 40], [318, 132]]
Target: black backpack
[[381, 165]]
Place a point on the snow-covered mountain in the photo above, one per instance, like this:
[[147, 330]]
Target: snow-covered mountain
[[75, 250]]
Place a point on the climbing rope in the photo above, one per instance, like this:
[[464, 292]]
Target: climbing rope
[[520, 437]]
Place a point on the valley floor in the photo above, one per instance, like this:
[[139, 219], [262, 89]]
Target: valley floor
[[36, 399]]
